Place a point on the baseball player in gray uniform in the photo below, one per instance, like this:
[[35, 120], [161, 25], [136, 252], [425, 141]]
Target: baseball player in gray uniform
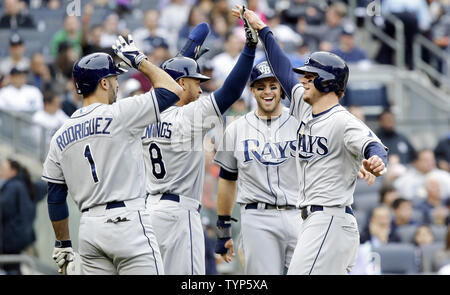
[[174, 159], [334, 148], [257, 155], [96, 157]]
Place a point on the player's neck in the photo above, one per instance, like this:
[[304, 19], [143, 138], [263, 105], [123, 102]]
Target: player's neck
[[260, 113], [324, 103], [95, 98]]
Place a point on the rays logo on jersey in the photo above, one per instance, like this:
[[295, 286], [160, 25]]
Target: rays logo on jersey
[[310, 145], [269, 153]]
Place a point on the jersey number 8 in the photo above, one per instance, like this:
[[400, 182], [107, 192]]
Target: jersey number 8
[[158, 169]]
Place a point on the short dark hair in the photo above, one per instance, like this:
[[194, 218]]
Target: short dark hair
[[397, 203], [386, 189], [49, 96]]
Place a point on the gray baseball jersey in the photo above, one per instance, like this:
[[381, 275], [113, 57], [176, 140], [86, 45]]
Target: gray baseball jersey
[[263, 154], [173, 148], [175, 164], [97, 153], [331, 148]]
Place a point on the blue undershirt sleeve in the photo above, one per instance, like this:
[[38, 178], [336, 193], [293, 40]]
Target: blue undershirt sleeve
[[165, 98], [278, 61], [228, 175], [56, 201], [376, 148], [234, 84]]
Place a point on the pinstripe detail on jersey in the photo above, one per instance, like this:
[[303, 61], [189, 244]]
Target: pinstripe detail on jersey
[[155, 107], [148, 240], [190, 238], [285, 197], [323, 241], [270, 187]]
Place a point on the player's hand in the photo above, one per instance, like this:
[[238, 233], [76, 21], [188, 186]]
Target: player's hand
[[250, 33], [374, 165], [225, 248], [366, 176], [252, 18], [128, 52], [63, 255]]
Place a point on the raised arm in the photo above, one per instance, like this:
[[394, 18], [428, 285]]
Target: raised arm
[[132, 57], [234, 84], [278, 61]]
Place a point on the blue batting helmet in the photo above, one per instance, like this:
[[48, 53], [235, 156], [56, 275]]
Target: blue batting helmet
[[90, 69], [332, 71], [183, 67], [260, 71]]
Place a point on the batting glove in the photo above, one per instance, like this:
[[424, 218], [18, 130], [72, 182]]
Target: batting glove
[[223, 233], [251, 34], [62, 254], [128, 52]]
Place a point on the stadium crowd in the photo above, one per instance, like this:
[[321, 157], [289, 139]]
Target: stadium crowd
[[410, 204]]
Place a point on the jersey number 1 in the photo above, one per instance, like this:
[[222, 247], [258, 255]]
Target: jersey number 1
[[88, 155], [156, 158]]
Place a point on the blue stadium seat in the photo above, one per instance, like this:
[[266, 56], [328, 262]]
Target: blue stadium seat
[[439, 232], [362, 187], [366, 201], [429, 254], [398, 258], [361, 218], [406, 233], [372, 97]]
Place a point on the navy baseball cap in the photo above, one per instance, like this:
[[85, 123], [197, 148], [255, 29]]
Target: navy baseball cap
[[15, 39]]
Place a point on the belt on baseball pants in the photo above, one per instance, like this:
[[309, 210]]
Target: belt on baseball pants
[[110, 205], [269, 206], [314, 208], [175, 198]]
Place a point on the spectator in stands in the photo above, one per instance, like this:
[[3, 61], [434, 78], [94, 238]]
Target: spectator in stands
[[423, 236], [378, 231], [411, 185], [216, 38], [443, 256], [397, 143], [312, 12], [222, 8], [416, 20], [326, 35], [357, 111], [18, 211], [15, 16], [150, 29], [396, 169], [66, 58], [208, 86], [71, 33], [51, 117], [388, 195], [110, 30], [129, 88], [91, 34], [157, 51], [224, 62], [442, 153], [172, 18], [40, 74], [402, 214], [289, 38], [347, 48], [16, 56], [18, 96], [433, 209], [195, 17]]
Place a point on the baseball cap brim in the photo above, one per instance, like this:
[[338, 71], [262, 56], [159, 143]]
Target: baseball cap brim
[[201, 77], [268, 75]]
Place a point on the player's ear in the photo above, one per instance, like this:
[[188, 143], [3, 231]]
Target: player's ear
[[104, 84]]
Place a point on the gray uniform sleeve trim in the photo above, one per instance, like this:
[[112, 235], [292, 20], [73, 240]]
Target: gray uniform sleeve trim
[[156, 106], [54, 180], [224, 166]]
